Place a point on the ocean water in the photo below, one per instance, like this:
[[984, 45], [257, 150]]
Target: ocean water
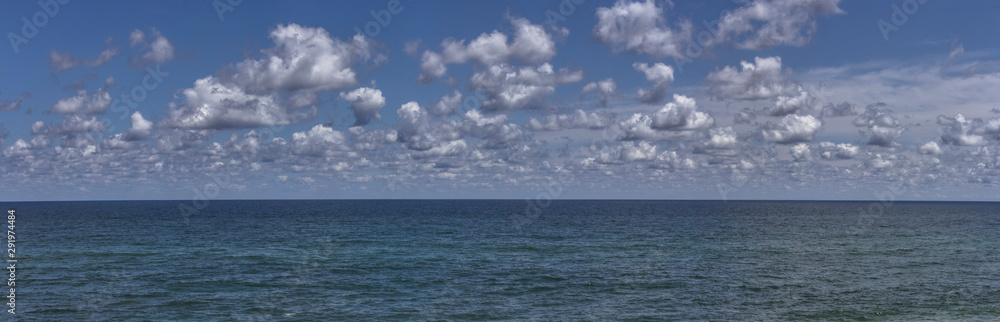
[[488, 260]]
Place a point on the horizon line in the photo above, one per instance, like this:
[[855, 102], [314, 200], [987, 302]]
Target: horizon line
[[514, 199]]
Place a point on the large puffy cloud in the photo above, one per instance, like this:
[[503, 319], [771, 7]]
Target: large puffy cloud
[[832, 151], [159, 51], [448, 104], [801, 153], [444, 138], [606, 90], [75, 131], [638, 127], [365, 102], [792, 129], [681, 115], [958, 130], [578, 120], [762, 79], [321, 140], [432, 66], [419, 133], [509, 88], [784, 105], [15, 104], [416, 126], [20, 148], [40, 142], [501, 137], [722, 138], [884, 136], [249, 94], [494, 131], [82, 104], [531, 44], [879, 162], [931, 148], [426, 139], [767, 23], [304, 59], [212, 104], [883, 128], [640, 27], [475, 119], [40, 128], [411, 112], [678, 119], [140, 130], [660, 76]]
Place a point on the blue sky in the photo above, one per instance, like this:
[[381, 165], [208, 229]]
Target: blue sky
[[776, 99]]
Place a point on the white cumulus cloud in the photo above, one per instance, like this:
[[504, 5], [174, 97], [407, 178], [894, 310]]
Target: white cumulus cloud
[[212, 104], [764, 24], [510, 88], [640, 27], [303, 59], [530, 44], [365, 102], [763, 78], [792, 129], [83, 104]]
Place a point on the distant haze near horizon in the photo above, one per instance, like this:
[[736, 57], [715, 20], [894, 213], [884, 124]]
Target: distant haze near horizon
[[532, 100]]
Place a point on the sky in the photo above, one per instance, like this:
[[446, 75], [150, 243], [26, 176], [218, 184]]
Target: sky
[[535, 100]]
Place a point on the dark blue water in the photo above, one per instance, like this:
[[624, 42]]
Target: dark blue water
[[462, 260]]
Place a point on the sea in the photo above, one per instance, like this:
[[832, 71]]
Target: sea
[[443, 260]]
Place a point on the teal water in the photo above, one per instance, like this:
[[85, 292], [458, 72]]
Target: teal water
[[485, 260]]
